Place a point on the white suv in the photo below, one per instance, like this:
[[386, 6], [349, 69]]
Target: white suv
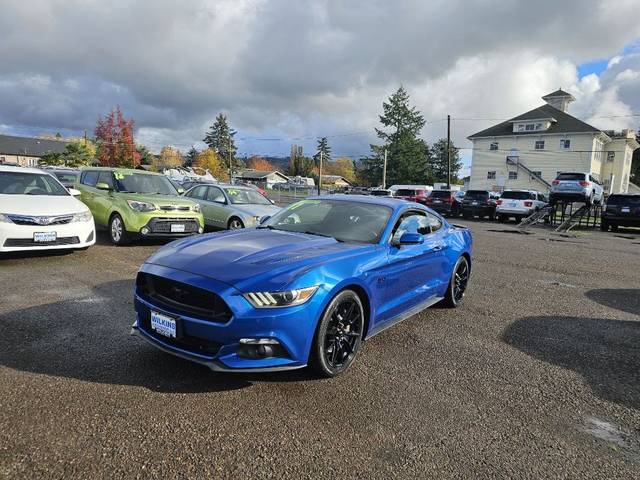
[[577, 187], [519, 204]]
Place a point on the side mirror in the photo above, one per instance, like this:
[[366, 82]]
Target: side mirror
[[408, 238], [272, 202], [74, 192], [103, 186], [264, 219], [180, 190]]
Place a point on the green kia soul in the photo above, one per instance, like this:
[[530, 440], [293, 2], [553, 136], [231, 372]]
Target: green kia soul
[[136, 203]]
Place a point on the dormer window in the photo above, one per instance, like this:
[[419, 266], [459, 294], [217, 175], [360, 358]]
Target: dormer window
[[533, 125]]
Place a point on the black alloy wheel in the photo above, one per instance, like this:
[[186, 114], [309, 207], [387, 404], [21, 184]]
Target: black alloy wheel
[[458, 283], [339, 335]]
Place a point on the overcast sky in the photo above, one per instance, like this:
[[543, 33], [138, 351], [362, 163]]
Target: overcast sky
[[291, 70]]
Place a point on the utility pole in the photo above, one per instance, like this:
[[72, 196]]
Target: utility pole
[[320, 174], [384, 170], [448, 152], [85, 138]]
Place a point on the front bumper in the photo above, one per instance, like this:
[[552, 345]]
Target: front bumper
[[16, 238], [216, 344], [136, 221]]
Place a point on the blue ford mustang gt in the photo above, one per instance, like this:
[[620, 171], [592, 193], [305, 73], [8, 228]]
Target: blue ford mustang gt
[[306, 287]]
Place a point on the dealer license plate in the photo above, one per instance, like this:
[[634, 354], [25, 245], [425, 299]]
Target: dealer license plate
[[163, 324], [474, 203], [512, 204], [45, 237], [437, 201], [177, 228], [625, 210]]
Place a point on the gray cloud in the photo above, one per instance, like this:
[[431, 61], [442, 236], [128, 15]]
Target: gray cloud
[[291, 68]]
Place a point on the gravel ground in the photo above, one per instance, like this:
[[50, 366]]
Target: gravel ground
[[536, 375]]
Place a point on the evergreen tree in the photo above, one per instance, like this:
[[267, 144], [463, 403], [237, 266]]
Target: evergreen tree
[[146, 157], [323, 146], [407, 153], [438, 161], [190, 157], [219, 138]]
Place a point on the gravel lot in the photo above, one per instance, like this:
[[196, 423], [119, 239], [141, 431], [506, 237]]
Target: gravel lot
[[537, 375]]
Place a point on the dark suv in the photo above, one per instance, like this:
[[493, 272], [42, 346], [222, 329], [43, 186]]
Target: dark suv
[[444, 202], [621, 210], [481, 203]]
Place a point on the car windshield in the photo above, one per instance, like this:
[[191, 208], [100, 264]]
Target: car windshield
[[343, 220], [405, 192], [144, 183], [570, 176], [518, 195], [246, 196], [440, 193], [624, 200], [379, 193], [476, 195], [66, 177], [19, 183]]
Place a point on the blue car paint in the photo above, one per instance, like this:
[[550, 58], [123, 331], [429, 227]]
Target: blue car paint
[[396, 282]]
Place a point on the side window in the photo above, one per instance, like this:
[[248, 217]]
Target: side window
[[422, 223], [434, 223], [198, 192], [106, 177], [215, 195], [89, 178]]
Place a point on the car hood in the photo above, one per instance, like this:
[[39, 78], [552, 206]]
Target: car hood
[[156, 198], [250, 257], [256, 210], [40, 204]]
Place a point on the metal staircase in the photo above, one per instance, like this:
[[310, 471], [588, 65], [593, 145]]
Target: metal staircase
[[564, 216], [515, 161]]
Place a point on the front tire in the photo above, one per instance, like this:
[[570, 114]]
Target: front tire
[[458, 283], [338, 336], [117, 231], [235, 224]]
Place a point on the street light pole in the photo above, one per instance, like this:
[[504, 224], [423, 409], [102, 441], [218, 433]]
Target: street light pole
[[384, 170], [448, 152], [320, 174]]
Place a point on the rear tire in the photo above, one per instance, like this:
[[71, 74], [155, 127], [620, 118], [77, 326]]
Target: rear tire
[[338, 336], [117, 231], [458, 283]]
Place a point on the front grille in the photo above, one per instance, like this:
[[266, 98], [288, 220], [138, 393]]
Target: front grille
[[40, 219], [28, 242], [163, 225], [173, 208], [184, 298], [185, 342]]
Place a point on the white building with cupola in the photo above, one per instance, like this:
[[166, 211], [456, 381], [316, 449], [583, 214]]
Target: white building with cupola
[[528, 151]]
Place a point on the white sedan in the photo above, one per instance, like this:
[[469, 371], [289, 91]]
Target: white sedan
[[38, 213]]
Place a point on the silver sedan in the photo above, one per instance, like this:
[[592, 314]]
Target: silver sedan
[[231, 206]]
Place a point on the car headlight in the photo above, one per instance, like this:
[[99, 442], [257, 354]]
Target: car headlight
[[141, 206], [256, 218], [82, 217], [4, 219], [196, 207], [287, 298]]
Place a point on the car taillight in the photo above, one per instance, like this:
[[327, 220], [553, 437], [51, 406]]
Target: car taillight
[[555, 182], [448, 200], [499, 202], [528, 203], [583, 183], [428, 200]]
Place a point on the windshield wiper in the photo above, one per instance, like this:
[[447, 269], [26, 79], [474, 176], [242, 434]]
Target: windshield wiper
[[309, 232]]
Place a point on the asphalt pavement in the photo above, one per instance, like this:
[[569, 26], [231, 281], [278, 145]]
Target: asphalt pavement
[[536, 375]]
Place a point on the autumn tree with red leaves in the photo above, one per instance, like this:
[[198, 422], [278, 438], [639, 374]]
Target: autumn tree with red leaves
[[114, 138], [260, 163]]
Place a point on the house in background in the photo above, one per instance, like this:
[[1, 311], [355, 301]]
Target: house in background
[[335, 181], [27, 151], [528, 151], [264, 179]]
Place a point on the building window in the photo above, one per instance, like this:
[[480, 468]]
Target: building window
[[2, 159], [493, 146], [521, 127], [539, 145], [491, 175], [537, 173], [529, 127], [538, 126], [513, 175], [565, 144], [611, 156]]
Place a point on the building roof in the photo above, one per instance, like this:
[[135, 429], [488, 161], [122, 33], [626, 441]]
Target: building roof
[[334, 178], [564, 123], [29, 146], [558, 93], [259, 175]]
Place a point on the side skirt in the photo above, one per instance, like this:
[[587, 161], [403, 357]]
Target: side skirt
[[403, 316]]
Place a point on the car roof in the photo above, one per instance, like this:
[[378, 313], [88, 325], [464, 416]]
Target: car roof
[[391, 202], [9, 168], [118, 169]]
